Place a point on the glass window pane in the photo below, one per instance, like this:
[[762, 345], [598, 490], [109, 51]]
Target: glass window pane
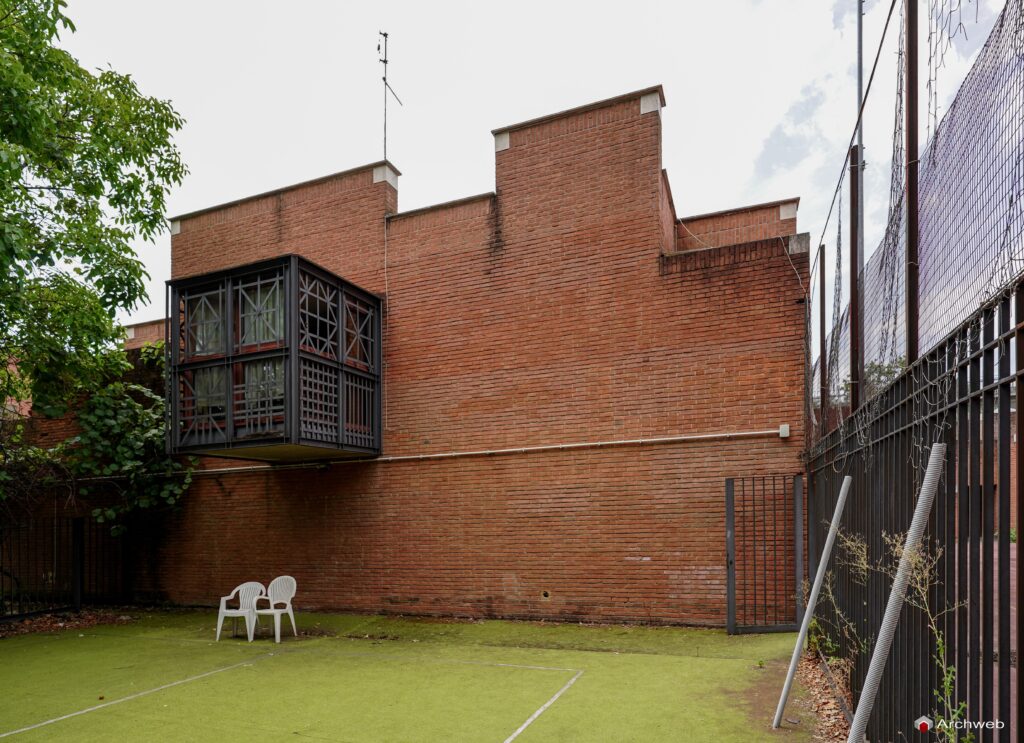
[[203, 406], [318, 316], [259, 397], [209, 391], [359, 333], [204, 323], [260, 311]]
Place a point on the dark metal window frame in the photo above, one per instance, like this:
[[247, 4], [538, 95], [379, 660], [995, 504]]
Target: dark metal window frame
[[361, 439]]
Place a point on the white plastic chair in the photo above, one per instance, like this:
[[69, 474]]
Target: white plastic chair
[[247, 594], [281, 591]]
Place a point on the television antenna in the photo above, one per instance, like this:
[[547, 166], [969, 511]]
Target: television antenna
[[382, 48]]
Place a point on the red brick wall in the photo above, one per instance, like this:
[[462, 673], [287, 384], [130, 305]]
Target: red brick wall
[[667, 210], [733, 226], [142, 333], [340, 217], [542, 314]]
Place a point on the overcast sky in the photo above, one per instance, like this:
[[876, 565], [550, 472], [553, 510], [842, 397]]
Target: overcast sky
[[761, 93]]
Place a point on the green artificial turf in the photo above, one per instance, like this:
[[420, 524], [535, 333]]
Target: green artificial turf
[[376, 679]]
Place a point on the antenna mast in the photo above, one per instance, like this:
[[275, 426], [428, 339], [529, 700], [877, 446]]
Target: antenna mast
[[382, 46]]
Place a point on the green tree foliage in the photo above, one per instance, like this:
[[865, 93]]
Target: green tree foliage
[[118, 455], [86, 162], [120, 450], [62, 339]]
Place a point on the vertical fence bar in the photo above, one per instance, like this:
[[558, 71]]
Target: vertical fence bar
[[730, 556], [987, 524], [1018, 710], [77, 561], [812, 561], [761, 559], [23, 569], [769, 616], [1004, 599], [974, 547], [798, 544], [964, 520], [749, 512]]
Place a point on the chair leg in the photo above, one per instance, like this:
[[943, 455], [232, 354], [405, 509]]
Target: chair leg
[[250, 625], [220, 622], [277, 628], [291, 616]]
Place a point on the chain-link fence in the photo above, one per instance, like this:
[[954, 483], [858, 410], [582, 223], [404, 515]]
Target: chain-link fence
[[971, 221]]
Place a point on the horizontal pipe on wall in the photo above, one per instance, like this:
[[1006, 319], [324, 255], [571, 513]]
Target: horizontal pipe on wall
[[781, 432]]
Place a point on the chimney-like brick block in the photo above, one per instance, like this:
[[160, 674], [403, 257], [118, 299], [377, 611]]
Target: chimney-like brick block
[[336, 222], [746, 224]]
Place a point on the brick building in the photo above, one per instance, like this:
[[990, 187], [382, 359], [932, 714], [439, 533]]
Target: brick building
[[567, 373]]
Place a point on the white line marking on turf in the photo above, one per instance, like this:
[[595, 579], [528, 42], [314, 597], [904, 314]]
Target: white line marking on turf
[[132, 696], [530, 720], [321, 650]]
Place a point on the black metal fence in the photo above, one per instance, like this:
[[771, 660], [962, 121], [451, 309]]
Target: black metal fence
[[764, 542], [963, 392], [51, 564]]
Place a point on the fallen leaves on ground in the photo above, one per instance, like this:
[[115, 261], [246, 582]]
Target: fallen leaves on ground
[[832, 725], [64, 620]]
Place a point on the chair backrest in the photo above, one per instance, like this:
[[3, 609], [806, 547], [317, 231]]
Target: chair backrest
[[282, 589], [248, 593]]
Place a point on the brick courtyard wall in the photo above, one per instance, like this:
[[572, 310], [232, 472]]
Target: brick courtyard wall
[[552, 311], [139, 334], [760, 222]]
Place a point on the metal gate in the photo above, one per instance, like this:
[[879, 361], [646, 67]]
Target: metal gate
[[53, 564], [764, 542]]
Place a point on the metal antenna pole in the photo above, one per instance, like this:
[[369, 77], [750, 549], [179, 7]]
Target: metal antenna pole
[[384, 62], [387, 87]]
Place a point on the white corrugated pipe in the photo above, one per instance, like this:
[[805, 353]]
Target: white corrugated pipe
[[812, 600], [899, 593]]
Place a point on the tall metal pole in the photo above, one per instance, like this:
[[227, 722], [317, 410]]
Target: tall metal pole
[[822, 348], [860, 131], [383, 46], [911, 134], [384, 62], [855, 352]]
